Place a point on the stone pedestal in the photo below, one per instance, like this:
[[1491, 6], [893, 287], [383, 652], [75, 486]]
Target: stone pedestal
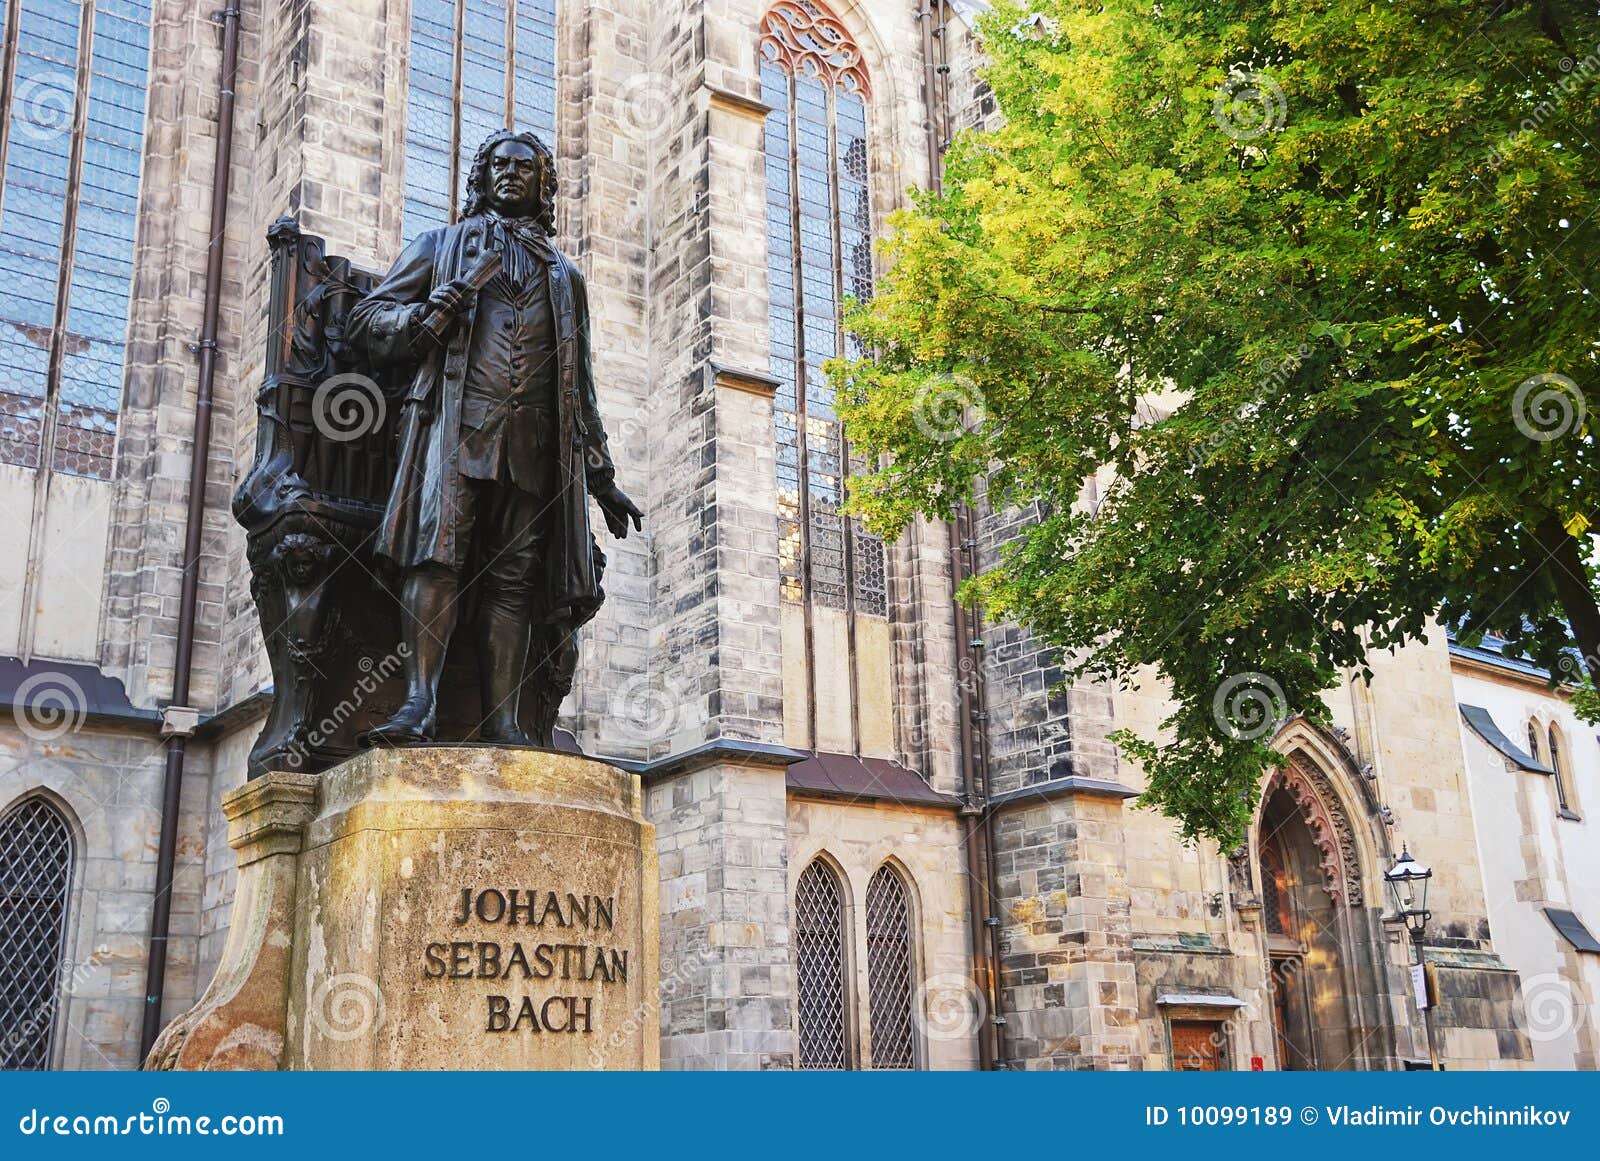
[[441, 907]]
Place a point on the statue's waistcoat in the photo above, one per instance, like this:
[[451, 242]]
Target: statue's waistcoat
[[419, 527]]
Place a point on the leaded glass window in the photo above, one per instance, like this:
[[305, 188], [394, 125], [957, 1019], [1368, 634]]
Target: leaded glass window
[[890, 968], [476, 66], [1558, 768], [1274, 892], [73, 90], [819, 251], [35, 877], [820, 969]]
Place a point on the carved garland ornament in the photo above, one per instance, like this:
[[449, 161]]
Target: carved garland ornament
[[1331, 831], [805, 38]]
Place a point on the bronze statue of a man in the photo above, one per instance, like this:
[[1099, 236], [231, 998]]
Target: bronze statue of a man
[[501, 444]]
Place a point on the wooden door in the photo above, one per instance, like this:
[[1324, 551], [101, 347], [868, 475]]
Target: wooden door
[[1196, 1046]]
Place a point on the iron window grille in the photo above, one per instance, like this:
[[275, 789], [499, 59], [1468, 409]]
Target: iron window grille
[[476, 66], [890, 971], [820, 970], [73, 78], [35, 879]]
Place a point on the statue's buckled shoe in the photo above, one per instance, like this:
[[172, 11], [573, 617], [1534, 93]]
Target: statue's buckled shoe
[[502, 735], [411, 725]]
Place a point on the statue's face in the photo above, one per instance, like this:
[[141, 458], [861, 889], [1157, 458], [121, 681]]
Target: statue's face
[[514, 179]]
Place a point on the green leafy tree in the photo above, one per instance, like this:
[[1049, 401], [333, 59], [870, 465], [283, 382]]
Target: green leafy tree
[[1309, 283]]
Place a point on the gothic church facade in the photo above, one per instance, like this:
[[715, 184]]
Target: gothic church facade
[[887, 837]]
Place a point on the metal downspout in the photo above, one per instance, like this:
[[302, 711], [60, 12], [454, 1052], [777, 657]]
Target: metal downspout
[[977, 832], [172, 785]]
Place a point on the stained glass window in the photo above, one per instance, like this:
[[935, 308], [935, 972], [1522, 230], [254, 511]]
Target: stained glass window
[[35, 875], [819, 251], [74, 88], [476, 66]]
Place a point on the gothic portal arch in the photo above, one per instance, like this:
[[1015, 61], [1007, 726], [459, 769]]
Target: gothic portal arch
[[1314, 851]]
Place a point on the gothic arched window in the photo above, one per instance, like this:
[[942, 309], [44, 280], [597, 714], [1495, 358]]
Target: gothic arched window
[[1275, 892], [820, 969], [890, 969], [1558, 766], [73, 90], [476, 66], [819, 251], [35, 877]]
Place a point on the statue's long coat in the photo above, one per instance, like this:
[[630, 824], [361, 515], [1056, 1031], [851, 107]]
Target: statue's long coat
[[420, 525]]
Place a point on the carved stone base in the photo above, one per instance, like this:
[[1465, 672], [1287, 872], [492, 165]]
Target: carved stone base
[[438, 907], [239, 1022]]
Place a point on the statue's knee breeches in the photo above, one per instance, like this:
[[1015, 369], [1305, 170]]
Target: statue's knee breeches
[[505, 527]]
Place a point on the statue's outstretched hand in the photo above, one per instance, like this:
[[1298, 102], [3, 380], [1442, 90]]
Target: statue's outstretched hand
[[619, 511]]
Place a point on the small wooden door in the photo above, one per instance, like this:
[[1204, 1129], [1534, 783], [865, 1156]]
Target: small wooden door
[[1196, 1046]]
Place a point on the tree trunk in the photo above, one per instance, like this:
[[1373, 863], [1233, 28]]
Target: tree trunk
[[1569, 574]]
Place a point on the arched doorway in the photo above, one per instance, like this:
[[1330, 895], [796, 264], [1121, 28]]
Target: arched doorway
[[1302, 895]]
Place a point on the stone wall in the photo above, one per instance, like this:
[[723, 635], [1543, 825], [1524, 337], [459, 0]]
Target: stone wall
[[1066, 966], [727, 983], [107, 784], [156, 426], [922, 845]]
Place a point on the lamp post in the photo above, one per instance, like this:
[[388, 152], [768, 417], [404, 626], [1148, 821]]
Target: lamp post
[[1405, 877]]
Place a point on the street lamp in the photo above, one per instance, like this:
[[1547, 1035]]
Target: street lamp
[[1408, 889]]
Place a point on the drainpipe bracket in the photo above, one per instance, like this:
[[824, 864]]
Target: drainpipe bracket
[[179, 721]]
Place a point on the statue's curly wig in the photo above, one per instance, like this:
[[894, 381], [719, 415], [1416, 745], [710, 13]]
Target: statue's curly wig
[[478, 177]]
